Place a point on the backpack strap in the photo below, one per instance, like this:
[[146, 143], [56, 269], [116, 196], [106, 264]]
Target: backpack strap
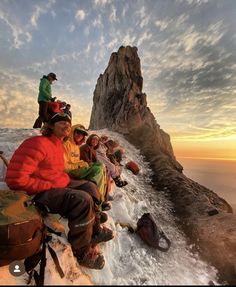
[[30, 264], [50, 230], [42, 265], [56, 261], [33, 261]]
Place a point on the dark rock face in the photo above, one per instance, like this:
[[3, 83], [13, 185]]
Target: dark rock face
[[120, 105]]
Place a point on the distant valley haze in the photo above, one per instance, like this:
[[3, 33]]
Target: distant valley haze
[[217, 175]]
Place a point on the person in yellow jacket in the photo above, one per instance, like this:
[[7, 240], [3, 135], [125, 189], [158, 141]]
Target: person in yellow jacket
[[79, 169]]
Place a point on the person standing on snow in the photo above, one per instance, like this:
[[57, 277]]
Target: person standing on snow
[[44, 97]]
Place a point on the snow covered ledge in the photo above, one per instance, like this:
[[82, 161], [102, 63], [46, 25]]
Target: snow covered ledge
[[128, 260]]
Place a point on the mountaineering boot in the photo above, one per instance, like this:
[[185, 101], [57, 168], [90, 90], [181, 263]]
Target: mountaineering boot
[[106, 206], [103, 217], [90, 258], [119, 182], [102, 234]]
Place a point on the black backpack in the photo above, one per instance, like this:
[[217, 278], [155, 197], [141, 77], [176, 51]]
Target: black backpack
[[151, 234]]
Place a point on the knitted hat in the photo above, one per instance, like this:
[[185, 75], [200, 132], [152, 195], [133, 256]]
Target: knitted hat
[[59, 117]]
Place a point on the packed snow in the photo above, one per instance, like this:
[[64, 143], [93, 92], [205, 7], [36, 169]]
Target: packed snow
[[128, 260]]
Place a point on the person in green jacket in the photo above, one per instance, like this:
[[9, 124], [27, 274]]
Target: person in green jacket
[[44, 96]]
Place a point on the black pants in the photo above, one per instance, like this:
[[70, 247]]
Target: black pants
[[78, 207], [92, 189], [43, 115]]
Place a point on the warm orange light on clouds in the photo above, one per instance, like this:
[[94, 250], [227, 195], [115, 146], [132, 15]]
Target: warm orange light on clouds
[[224, 148]]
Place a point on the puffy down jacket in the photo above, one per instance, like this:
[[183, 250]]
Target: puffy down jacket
[[37, 165]]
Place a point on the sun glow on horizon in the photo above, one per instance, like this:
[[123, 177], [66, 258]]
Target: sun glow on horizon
[[205, 138], [207, 158], [210, 148]]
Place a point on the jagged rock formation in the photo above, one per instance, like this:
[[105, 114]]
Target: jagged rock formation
[[120, 105]]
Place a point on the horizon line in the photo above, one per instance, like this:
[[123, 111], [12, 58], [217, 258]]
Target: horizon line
[[209, 158]]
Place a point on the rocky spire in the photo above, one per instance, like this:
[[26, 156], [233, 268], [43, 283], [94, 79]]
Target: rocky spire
[[120, 105], [118, 101]]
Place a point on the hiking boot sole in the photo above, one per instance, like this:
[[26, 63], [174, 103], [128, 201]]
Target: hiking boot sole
[[95, 266], [97, 240]]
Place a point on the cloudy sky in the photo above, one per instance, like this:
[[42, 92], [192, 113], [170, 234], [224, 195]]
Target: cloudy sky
[[187, 50]]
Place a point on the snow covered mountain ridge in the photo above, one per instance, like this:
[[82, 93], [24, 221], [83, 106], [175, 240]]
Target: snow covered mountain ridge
[[128, 260]]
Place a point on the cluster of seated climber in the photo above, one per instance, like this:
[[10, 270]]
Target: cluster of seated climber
[[70, 175]]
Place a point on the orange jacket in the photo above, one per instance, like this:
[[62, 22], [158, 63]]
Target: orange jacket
[[37, 165]]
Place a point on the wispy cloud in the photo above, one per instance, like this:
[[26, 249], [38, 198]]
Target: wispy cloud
[[54, 61], [125, 9], [88, 50], [144, 37], [99, 55], [101, 41], [40, 10], [22, 33], [19, 35], [162, 25], [181, 19], [97, 22], [126, 38], [144, 22], [101, 2], [80, 15], [193, 2], [113, 17], [141, 12], [112, 43]]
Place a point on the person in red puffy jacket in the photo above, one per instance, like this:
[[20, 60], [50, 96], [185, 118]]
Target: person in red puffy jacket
[[37, 167], [54, 107]]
